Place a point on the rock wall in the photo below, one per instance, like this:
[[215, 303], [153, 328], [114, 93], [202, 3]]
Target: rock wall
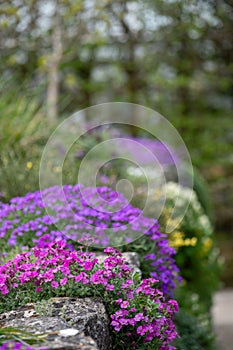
[[72, 323]]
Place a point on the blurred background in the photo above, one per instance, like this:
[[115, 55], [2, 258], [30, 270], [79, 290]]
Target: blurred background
[[59, 56]]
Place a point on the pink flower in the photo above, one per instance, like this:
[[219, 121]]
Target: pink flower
[[112, 251], [141, 330], [63, 281], [124, 304], [109, 287], [123, 321], [54, 284], [133, 309], [126, 284], [132, 322], [65, 270], [82, 277], [139, 317], [174, 305], [118, 301], [116, 325], [4, 290], [88, 265]]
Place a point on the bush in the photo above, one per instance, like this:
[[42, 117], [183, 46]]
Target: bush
[[23, 134], [197, 255], [201, 189], [195, 335]]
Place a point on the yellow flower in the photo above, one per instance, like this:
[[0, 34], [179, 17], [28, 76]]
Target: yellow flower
[[177, 240], [193, 241], [29, 165], [190, 241], [207, 244]]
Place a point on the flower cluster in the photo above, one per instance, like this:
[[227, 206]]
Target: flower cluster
[[138, 309], [40, 266], [147, 151], [77, 213], [14, 345], [155, 324], [156, 151], [194, 217], [178, 240], [197, 256]]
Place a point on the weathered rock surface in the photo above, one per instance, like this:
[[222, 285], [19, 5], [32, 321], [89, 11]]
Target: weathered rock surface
[[87, 316]]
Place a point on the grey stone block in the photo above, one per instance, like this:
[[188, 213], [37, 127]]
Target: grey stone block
[[87, 316]]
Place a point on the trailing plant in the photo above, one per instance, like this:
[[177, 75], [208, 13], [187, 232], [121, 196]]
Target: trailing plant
[[140, 315]]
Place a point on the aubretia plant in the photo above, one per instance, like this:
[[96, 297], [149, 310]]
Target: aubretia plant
[[140, 315], [76, 213]]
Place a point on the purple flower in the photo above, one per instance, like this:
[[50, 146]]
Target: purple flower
[[139, 317], [110, 287], [54, 284], [63, 281], [124, 304], [116, 325]]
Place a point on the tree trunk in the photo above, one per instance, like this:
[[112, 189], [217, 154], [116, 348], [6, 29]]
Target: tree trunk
[[53, 74]]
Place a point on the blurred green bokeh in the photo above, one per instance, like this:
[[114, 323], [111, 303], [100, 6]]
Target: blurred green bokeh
[[59, 56]]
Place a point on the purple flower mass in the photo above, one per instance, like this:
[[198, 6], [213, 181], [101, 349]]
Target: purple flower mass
[[164, 154], [100, 216], [151, 150]]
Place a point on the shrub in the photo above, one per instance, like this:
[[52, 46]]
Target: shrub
[[23, 133], [196, 334], [197, 255]]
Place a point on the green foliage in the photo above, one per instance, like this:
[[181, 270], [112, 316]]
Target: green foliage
[[18, 172], [208, 137], [16, 334], [181, 64], [197, 256], [23, 134], [195, 334], [202, 191], [21, 119]]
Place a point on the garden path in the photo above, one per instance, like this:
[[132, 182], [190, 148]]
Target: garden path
[[223, 318]]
